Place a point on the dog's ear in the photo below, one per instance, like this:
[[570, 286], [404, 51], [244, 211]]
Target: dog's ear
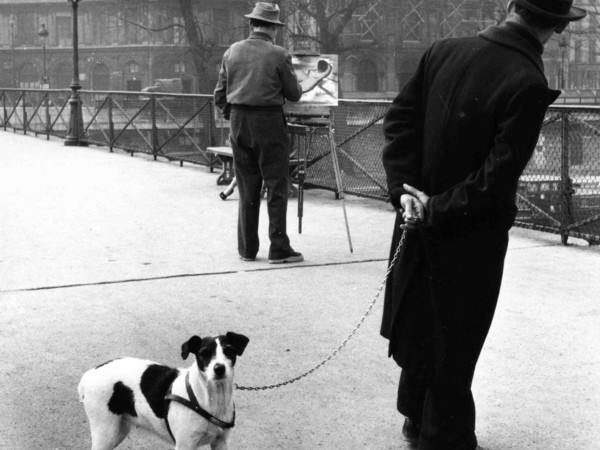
[[237, 341], [191, 346]]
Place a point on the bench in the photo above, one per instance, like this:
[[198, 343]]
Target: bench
[[225, 154]]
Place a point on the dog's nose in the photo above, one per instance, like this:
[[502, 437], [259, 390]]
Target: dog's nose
[[219, 370]]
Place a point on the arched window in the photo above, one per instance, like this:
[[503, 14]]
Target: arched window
[[131, 76], [100, 78], [367, 78]]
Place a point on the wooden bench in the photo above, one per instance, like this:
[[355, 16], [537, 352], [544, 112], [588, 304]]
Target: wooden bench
[[225, 154]]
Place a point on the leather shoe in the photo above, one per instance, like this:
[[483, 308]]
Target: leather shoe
[[291, 257], [411, 431]]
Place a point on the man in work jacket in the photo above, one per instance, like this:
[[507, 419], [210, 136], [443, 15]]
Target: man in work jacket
[[458, 137], [255, 80]]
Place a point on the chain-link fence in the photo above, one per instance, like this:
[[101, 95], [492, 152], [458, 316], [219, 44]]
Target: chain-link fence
[[559, 191], [560, 188], [358, 137]]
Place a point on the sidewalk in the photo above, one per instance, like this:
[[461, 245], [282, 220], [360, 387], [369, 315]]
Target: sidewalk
[[104, 255]]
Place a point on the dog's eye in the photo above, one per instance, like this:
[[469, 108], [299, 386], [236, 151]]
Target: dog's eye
[[205, 353], [229, 352]]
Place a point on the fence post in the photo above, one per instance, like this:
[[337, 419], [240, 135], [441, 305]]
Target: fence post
[[47, 108], [566, 184], [111, 124], [24, 114], [5, 118], [154, 128]]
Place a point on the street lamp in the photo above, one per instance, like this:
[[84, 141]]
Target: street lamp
[[43, 34], [75, 136], [12, 22]]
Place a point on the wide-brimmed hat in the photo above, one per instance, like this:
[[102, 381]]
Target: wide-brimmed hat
[[554, 9], [267, 12]]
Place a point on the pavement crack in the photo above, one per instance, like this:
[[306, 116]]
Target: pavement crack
[[187, 275]]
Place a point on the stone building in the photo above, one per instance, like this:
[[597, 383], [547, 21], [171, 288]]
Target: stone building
[[126, 45]]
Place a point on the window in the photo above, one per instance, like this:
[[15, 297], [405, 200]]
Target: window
[[63, 31], [5, 31], [367, 77], [28, 30], [100, 79], [131, 76], [101, 29]]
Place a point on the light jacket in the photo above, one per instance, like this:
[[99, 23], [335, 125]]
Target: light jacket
[[256, 72]]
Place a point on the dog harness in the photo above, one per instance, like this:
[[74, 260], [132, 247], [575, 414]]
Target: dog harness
[[193, 404]]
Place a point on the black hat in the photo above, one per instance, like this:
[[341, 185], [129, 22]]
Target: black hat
[[561, 10], [267, 12]]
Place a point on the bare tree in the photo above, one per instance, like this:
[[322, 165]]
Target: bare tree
[[195, 37], [201, 49], [331, 18]]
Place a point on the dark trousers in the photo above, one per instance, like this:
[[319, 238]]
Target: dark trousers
[[465, 279], [445, 412], [261, 152]]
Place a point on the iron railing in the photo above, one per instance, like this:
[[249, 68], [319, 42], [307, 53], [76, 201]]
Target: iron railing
[[559, 191]]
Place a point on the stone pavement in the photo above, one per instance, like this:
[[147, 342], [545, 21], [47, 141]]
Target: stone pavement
[[105, 255]]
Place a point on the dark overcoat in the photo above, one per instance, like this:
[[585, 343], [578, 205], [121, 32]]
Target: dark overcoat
[[462, 130]]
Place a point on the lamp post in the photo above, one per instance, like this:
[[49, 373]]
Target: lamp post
[[566, 183], [563, 44], [12, 22], [75, 136], [43, 34]]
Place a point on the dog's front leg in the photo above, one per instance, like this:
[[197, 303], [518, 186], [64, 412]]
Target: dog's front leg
[[219, 443]]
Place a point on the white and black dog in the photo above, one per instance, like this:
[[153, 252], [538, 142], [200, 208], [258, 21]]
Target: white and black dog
[[189, 407]]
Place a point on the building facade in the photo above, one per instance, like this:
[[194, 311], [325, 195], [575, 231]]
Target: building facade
[[126, 45]]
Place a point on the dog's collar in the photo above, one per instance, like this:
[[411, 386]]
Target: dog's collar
[[193, 404]]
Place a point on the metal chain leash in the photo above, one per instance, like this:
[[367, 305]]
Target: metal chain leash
[[343, 344]]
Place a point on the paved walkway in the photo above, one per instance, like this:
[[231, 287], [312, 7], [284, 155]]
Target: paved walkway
[[105, 255]]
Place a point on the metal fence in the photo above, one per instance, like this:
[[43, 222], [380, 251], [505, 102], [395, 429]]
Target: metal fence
[[559, 191]]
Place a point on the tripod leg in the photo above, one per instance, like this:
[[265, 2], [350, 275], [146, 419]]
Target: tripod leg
[[339, 184], [301, 167]]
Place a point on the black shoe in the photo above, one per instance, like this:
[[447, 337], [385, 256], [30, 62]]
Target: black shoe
[[243, 258], [411, 431], [291, 257]]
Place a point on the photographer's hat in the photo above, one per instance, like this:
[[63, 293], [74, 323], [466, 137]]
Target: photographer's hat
[[267, 12], [562, 10]]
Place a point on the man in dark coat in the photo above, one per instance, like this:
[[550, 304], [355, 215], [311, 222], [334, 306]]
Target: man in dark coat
[[458, 137], [255, 80]]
